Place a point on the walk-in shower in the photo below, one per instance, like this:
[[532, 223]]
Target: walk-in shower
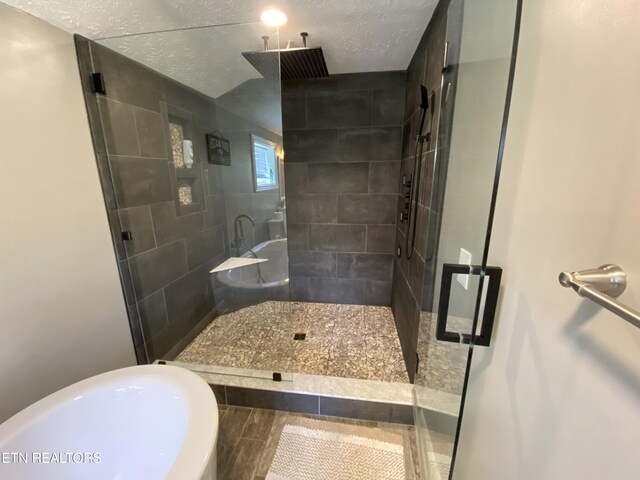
[[269, 227], [190, 147], [229, 258]]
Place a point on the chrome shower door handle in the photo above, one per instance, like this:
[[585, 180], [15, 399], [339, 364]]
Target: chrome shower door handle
[[494, 274]]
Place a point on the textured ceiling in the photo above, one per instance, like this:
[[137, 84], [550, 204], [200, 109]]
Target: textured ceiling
[[207, 59], [356, 35]]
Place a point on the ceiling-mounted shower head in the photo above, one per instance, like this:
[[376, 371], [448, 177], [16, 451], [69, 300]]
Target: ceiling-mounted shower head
[[294, 63]]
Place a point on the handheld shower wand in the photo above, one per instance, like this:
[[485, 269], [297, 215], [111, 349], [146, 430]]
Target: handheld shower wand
[[414, 191], [424, 106]]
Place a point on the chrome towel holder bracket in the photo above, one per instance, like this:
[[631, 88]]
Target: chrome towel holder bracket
[[602, 285]]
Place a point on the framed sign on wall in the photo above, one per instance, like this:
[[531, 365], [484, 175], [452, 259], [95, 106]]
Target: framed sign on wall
[[218, 149]]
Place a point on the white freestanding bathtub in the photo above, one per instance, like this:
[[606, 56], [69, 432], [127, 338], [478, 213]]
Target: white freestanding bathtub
[[256, 283], [140, 423], [275, 271]]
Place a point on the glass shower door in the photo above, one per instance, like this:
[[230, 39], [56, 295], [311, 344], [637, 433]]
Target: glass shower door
[[193, 151], [460, 289]]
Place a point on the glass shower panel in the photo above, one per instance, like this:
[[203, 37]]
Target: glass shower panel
[[473, 98], [194, 145]]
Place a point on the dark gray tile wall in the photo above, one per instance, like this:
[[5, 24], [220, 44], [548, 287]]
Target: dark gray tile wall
[[414, 279], [153, 313], [291, 402], [237, 178], [140, 181], [164, 269], [343, 142], [323, 405], [156, 268], [377, 411], [338, 238]]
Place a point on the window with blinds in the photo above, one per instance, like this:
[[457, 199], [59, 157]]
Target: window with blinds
[[265, 164]]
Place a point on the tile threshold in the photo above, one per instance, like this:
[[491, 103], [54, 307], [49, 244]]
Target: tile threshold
[[334, 387]]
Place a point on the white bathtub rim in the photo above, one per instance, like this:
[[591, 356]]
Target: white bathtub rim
[[255, 285], [198, 448], [224, 275]]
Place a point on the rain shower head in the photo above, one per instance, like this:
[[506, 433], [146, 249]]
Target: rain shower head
[[295, 63]]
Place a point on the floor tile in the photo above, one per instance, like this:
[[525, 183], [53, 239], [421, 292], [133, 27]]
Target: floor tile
[[258, 425], [229, 434], [352, 341], [251, 457], [244, 460]]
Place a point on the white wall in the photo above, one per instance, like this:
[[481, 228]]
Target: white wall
[[558, 394], [62, 313]]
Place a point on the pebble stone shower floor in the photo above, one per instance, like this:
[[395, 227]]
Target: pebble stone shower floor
[[352, 341]]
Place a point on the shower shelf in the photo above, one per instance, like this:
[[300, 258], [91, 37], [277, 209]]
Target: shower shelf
[[235, 262]]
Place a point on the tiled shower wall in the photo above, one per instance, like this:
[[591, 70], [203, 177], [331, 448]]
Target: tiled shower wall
[[414, 279], [342, 142], [236, 113], [165, 268]]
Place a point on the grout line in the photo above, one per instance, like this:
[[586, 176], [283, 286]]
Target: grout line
[[140, 157], [246, 424], [135, 126], [115, 100], [153, 228], [166, 310]]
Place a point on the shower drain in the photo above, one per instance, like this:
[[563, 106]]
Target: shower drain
[[299, 336]]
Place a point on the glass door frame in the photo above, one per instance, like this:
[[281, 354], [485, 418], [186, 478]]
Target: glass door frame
[[482, 270], [96, 101]]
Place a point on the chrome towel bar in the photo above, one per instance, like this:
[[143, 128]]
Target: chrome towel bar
[[602, 285]]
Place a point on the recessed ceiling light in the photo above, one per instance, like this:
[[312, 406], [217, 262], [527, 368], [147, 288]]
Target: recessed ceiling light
[[273, 17]]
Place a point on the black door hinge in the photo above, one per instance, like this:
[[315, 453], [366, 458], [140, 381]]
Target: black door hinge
[[97, 83]]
